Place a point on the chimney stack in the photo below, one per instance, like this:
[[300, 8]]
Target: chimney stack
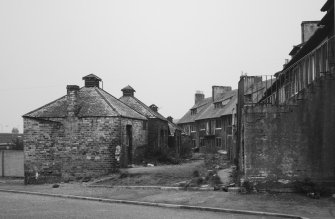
[[153, 107], [170, 119], [217, 90], [72, 100], [199, 96], [308, 28]]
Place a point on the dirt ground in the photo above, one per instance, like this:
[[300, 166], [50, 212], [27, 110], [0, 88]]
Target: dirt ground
[[165, 175]]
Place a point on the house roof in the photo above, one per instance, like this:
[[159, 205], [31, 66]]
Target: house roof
[[211, 112], [207, 110], [140, 107], [200, 106], [92, 102], [7, 138]]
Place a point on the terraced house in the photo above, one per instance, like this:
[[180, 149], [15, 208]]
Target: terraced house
[[210, 121], [76, 135]]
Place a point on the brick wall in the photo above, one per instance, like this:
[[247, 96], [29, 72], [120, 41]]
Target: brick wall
[[281, 144], [68, 149]]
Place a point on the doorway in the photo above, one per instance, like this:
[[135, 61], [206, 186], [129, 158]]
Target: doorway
[[129, 143]]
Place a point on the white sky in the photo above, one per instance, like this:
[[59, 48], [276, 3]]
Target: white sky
[[166, 50]]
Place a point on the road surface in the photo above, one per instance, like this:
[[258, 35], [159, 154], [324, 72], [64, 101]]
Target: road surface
[[31, 206]]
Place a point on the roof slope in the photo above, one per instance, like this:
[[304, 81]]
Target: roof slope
[[92, 102], [140, 107], [173, 127], [206, 109], [200, 106]]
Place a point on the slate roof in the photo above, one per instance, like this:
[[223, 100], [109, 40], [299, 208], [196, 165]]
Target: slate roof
[[200, 106], [92, 102], [206, 109], [140, 107]]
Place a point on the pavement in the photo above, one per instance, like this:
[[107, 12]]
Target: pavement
[[290, 204], [32, 206]]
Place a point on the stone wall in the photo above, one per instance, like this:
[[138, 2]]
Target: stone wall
[[139, 141], [281, 144], [69, 149], [158, 133]]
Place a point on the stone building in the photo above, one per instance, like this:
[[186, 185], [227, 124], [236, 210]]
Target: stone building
[[210, 122], [158, 128], [76, 135], [287, 134]]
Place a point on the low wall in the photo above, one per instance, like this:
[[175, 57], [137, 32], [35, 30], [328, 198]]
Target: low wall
[[11, 163]]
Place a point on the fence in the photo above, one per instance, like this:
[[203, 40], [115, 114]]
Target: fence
[[314, 66], [11, 163]]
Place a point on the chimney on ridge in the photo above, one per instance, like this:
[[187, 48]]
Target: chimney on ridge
[[153, 107], [92, 80], [308, 28], [72, 100], [170, 119], [217, 90], [199, 96], [128, 91]]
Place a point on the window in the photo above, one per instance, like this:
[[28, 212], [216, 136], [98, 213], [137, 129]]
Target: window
[[218, 105], [193, 128], [145, 125], [193, 111], [203, 126], [218, 142], [218, 124]]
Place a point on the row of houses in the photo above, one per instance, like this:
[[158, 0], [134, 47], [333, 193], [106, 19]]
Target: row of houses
[[89, 132], [210, 121]]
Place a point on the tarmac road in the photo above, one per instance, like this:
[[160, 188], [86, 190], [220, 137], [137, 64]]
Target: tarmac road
[[32, 206]]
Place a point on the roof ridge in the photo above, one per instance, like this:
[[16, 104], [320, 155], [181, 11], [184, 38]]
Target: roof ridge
[[149, 109], [105, 99]]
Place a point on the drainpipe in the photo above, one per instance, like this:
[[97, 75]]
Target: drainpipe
[[3, 163]]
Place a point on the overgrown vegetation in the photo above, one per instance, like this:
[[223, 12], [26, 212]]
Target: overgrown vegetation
[[311, 189]]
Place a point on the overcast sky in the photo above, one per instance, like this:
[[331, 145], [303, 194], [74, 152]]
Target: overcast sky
[[166, 50]]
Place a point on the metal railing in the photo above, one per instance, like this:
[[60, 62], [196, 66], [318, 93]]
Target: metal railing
[[316, 65]]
